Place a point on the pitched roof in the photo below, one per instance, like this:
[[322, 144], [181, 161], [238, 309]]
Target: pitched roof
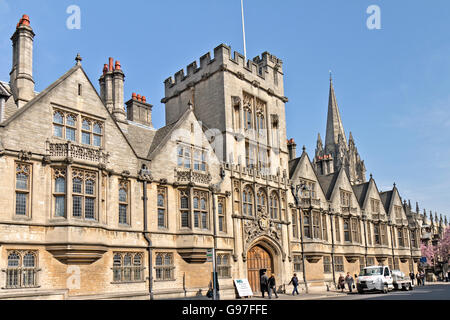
[[360, 191], [327, 182], [140, 138], [386, 198], [39, 96], [293, 165]]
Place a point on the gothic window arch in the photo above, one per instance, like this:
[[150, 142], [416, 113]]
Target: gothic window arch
[[124, 214], [274, 205], [247, 201], [23, 186], [221, 212], [22, 268], [59, 192], [184, 209], [162, 208], [127, 267], [84, 194], [262, 200], [164, 266], [58, 124]]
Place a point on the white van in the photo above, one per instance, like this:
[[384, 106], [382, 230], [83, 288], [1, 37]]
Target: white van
[[375, 278]]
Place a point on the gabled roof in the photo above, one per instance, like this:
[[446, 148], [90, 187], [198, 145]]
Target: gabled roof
[[5, 91], [293, 165], [386, 199], [360, 191], [140, 137], [327, 182], [41, 95], [163, 134]]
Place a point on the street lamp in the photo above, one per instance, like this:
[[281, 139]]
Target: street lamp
[[295, 190]]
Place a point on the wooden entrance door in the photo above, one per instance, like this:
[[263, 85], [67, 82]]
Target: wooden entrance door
[[258, 258]]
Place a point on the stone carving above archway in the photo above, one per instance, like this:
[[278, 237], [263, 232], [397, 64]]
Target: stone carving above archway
[[260, 226]]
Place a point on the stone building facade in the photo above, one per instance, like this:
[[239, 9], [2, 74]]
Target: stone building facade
[[98, 204]]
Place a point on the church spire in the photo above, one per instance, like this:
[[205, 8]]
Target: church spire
[[334, 122]]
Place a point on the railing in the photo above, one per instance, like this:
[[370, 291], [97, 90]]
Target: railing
[[309, 202], [70, 150], [192, 176], [349, 210]]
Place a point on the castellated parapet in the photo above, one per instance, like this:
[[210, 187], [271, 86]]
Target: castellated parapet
[[265, 72]]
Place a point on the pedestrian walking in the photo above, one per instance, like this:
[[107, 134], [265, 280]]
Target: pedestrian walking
[[419, 282], [422, 277], [264, 282], [341, 283], [294, 282], [210, 293], [411, 276], [272, 286], [349, 280]]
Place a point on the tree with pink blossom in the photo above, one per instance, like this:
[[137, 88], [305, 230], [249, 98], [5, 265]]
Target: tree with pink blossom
[[443, 246], [428, 252]]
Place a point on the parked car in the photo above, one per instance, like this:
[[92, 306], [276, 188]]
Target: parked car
[[375, 278]]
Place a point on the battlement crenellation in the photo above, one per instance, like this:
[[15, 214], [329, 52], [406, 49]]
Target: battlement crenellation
[[260, 69]]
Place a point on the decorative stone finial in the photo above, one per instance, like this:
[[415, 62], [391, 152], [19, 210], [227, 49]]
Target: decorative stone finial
[[78, 59]]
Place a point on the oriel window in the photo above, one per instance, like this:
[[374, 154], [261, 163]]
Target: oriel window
[[84, 194], [185, 209]]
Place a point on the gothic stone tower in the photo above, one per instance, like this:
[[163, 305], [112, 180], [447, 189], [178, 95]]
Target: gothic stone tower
[[338, 153], [241, 106]]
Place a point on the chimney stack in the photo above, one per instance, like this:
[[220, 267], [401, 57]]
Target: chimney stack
[[118, 80], [292, 149], [111, 89], [138, 110], [21, 75]]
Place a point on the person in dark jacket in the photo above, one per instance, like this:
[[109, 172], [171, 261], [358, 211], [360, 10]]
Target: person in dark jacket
[[349, 280], [341, 283], [294, 282], [264, 282], [411, 276], [272, 286]]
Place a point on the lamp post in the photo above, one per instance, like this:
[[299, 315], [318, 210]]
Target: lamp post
[[295, 190]]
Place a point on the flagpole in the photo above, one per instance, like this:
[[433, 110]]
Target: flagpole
[[243, 30]]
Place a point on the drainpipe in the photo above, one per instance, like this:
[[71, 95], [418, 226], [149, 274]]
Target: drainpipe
[[392, 244], [293, 190], [365, 237], [214, 190], [332, 246], [144, 173]]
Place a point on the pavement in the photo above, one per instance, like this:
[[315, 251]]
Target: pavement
[[431, 291]]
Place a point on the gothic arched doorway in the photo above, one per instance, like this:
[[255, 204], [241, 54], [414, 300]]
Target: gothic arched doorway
[[258, 258]]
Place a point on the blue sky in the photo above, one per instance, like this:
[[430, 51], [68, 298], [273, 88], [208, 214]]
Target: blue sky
[[392, 85]]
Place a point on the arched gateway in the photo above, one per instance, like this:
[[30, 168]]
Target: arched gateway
[[258, 258]]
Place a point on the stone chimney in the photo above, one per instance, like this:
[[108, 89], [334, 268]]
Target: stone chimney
[[21, 76], [138, 110], [292, 149], [111, 89], [118, 80]]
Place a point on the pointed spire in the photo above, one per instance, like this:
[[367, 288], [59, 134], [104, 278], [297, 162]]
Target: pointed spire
[[334, 122], [409, 204]]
